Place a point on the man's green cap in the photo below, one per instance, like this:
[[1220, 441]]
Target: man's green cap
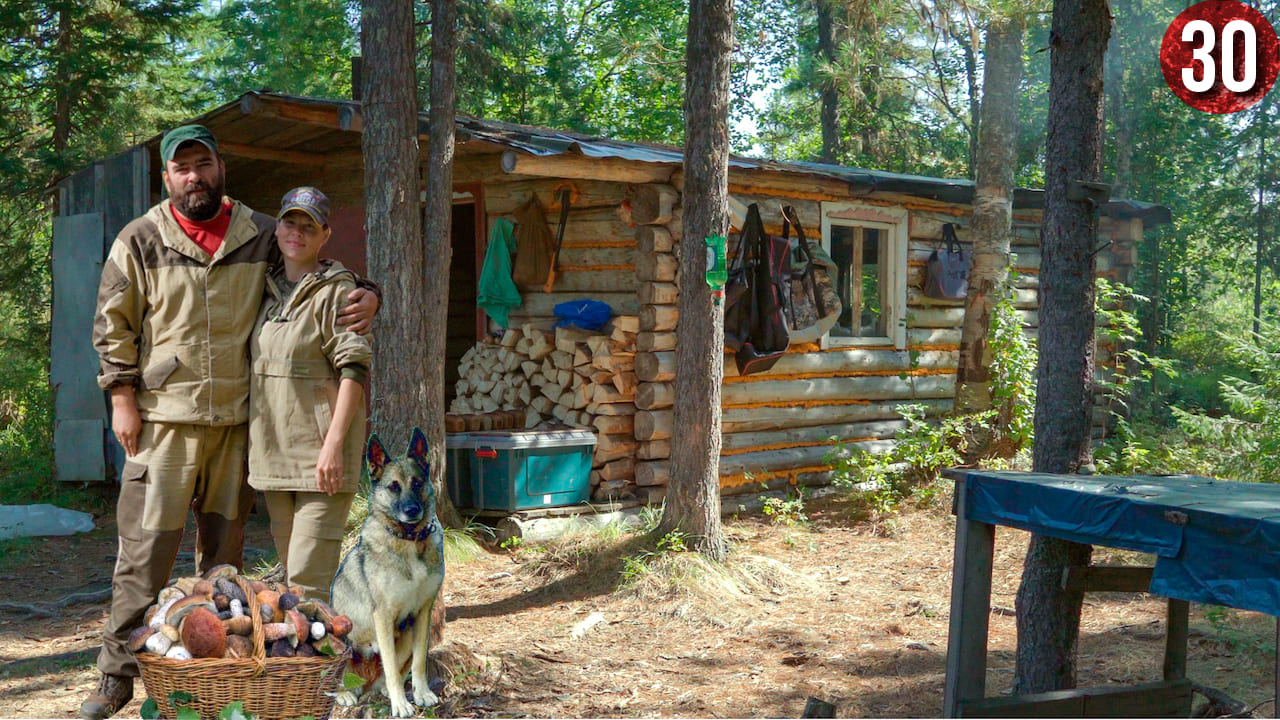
[[187, 133]]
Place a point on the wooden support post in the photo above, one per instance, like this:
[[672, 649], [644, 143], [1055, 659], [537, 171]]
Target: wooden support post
[[1175, 639], [970, 609]]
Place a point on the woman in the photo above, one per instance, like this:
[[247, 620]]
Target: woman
[[306, 418]]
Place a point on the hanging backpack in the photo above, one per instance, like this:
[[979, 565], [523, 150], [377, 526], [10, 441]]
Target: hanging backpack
[[755, 318], [946, 277], [813, 305], [535, 246]]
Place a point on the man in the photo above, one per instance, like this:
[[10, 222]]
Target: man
[[178, 298]]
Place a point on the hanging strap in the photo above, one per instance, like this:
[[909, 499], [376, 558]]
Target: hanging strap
[[563, 195], [789, 217], [949, 238]]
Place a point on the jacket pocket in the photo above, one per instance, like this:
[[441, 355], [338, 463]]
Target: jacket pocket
[[155, 375]]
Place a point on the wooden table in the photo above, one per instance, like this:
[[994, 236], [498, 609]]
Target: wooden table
[[1215, 542]]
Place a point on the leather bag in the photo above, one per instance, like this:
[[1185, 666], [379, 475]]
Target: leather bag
[[813, 305], [755, 317], [535, 246], [946, 276]]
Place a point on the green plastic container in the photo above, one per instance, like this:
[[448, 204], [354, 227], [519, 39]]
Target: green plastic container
[[457, 466], [520, 470]]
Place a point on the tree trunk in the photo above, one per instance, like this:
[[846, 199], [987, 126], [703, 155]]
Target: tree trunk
[[827, 48], [992, 214], [977, 100], [64, 93], [437, 240], [1049, 617], [693, 492], [394, 244]]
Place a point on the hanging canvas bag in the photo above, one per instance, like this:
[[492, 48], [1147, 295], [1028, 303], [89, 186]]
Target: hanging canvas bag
[[813, 305], [535, 246], [946, 276], [755, 298]]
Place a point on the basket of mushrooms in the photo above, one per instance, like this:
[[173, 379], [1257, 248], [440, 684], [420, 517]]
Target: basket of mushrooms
[[222, 638]]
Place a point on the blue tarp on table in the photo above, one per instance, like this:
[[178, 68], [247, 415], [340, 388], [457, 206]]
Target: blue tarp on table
[[1215, 541]]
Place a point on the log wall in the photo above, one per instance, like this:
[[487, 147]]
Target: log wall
[[778, 426]]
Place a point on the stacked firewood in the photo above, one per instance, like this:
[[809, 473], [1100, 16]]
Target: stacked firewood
[[566, 376]]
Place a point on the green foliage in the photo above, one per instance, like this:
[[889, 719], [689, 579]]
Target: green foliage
[[1119, 331], [1247, 437], [635, 566], [1013, 375], [786, 511]]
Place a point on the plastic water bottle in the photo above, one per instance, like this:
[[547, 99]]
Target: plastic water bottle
[[717, 267]]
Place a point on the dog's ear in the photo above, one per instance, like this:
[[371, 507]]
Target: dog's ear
[[377, 457], [419, 451]]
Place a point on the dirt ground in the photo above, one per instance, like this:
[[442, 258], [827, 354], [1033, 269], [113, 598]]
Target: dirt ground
[[841, 611]]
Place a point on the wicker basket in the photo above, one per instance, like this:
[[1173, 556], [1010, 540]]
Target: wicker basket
[[270, 688]]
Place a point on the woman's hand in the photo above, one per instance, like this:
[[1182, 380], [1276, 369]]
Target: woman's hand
[[329, 468]]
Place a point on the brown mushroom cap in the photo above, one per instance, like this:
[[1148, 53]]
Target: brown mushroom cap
[[258, 586], [203, 635], [204, 588], [138, 638], [170, 594], [170, 632], [281, 648], [339, 626], [238, 646], [221, 602], [186, 584], [289, 601], [180, 609], [300, 623]]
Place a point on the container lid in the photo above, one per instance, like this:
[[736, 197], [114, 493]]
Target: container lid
[[518, 439], [456, 440]]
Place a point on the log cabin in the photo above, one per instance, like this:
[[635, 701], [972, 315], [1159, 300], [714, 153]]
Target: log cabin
[[621, 236]]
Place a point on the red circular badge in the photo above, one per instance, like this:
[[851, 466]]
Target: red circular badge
[[1220, 56]]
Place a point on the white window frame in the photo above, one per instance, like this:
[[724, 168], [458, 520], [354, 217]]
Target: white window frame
[[892, 222]]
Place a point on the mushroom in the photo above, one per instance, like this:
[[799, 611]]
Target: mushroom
[[307, 650], [339, 626], [203, 634], [317, 630], [330, 645], [222, 602], [300, 623], [221, 571], [258, 586], [203, 588], [186, 584], [272, 632], [289, 601], [158, 643], [170, 632], [230, 588], [236, 608], [138, 638], [161, 615], [239, 625], [267, 614], [177, 652], [282, 648], [173, 592], [238, 646], [180, 609]]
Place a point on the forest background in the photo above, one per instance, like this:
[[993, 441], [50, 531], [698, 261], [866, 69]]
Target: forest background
[[883, 84]]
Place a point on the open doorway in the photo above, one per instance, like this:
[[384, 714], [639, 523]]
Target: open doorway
[[464, 269]]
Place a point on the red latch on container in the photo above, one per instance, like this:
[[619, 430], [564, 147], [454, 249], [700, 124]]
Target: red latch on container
[[487, 453]]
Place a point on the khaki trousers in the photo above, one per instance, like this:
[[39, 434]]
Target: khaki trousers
[[308, 529], [178, 469]]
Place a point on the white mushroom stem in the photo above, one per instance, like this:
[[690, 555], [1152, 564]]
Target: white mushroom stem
[[317, 630], [236, 607], [157, 620], [177, 652], [159, 644]]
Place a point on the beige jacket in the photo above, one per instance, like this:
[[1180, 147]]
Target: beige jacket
[[299, 354], [176, 323]]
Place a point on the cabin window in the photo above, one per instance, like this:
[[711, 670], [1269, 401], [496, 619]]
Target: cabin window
[[868, 245]]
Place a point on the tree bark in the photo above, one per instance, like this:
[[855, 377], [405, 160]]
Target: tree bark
[[992, 214], [1049, 617], [437, 240], [394, 247], [827, 48], [693, 493]]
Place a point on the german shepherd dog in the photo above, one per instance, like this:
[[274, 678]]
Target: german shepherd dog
[[388, 582]]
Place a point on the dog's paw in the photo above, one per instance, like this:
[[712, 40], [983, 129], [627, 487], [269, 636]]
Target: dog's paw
[[424, 698], [401, 708], [346, 698]]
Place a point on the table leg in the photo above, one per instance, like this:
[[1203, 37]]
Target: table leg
[[970, 610], [1175, 640]]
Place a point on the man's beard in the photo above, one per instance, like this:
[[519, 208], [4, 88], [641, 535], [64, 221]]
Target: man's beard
[[199, 207]]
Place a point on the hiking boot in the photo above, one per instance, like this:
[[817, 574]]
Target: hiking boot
[[113, 693]]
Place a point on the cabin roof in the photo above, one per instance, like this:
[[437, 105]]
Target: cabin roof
[[266, 127]]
